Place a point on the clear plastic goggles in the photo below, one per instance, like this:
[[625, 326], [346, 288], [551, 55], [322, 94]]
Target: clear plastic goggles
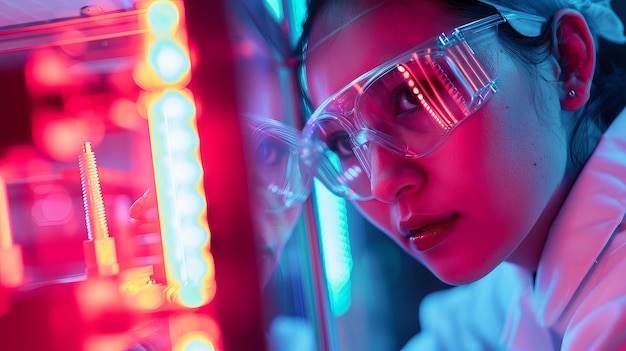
[[281, 167], [408, 105]]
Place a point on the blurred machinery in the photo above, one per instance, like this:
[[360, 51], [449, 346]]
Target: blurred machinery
[[124, 87]]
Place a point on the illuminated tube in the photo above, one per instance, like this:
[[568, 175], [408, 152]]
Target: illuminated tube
[[167, 53], [177, 166], [194, 342], [180, 194], [335, 246]]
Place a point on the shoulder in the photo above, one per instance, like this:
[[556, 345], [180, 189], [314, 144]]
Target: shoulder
[[470, 316], [599, 320]]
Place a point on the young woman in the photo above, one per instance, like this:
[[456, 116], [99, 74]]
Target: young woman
[[485, 146]]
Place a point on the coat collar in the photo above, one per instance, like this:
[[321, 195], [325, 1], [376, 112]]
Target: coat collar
[[591, 213]]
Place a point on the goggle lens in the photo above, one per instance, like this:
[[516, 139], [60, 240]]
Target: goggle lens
[[280, 168], [408, 105], [340, 168]]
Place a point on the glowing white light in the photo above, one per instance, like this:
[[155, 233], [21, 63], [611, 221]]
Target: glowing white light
[[163, 18], [197, 268], [194, 238]]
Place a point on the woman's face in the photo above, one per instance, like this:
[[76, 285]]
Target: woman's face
[[491, 190], [262, 96]]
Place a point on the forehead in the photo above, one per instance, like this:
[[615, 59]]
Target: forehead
[[349, 39]]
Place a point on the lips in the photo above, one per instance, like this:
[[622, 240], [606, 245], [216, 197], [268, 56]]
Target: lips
[[425, 234]]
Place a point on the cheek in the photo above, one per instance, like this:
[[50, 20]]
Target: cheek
[[522, 137], [513, 160], [377, 212], [276, 228], [532, 147]]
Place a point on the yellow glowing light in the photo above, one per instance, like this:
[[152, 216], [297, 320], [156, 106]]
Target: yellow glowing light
[[146, 77], [194, 341], [184, 327], [6, 228], [11, 264]]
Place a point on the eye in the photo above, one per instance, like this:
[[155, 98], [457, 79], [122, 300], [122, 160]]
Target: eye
[[340, 144], [404, 100], [269, 152]]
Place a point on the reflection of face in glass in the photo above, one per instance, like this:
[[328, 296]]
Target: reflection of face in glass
[[278, 170], [280, 178]]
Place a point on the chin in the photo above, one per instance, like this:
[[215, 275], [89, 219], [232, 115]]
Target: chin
[[455, 280], [459, 274]]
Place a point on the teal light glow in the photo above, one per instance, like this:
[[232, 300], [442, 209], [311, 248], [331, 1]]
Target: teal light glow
[[199, 344], [191, 295], [182, 207], [335, 243], [276, 9], [169, 60], [163, 18]]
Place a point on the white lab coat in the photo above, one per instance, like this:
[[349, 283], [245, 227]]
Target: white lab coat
[[578, 301]]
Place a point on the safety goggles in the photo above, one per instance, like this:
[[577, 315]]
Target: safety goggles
[[281, 167], [408, 105]]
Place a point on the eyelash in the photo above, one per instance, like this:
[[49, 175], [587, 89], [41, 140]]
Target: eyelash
[[401, 95], [269, 153], [340, 145]]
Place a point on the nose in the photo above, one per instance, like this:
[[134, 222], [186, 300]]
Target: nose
[[393, 176]]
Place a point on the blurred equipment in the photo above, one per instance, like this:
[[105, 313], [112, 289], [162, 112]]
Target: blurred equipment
[[116, 78]]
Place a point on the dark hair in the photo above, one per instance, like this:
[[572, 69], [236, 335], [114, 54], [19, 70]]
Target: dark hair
[[607, 96]]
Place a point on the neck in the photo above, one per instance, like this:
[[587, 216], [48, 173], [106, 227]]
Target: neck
[[529, 252]]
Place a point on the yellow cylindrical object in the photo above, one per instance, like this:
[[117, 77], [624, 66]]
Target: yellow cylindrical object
[[11, 267], [101, 257]]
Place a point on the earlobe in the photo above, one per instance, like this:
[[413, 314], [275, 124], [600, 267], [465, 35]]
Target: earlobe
[[575, 51]]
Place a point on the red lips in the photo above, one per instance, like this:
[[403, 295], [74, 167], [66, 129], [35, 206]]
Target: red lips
[[426, 233]]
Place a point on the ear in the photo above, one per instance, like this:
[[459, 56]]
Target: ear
[[575, 51]]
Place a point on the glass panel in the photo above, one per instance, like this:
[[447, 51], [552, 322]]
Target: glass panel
[[294, 295]]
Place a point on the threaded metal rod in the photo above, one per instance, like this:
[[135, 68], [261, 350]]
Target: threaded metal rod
[[95, 216]]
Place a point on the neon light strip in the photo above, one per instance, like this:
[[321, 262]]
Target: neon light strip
[[335, 242], [177, 166], [182, 205]]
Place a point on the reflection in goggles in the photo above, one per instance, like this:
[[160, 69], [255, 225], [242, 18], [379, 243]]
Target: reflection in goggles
[[408, 105], [280, 165]]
